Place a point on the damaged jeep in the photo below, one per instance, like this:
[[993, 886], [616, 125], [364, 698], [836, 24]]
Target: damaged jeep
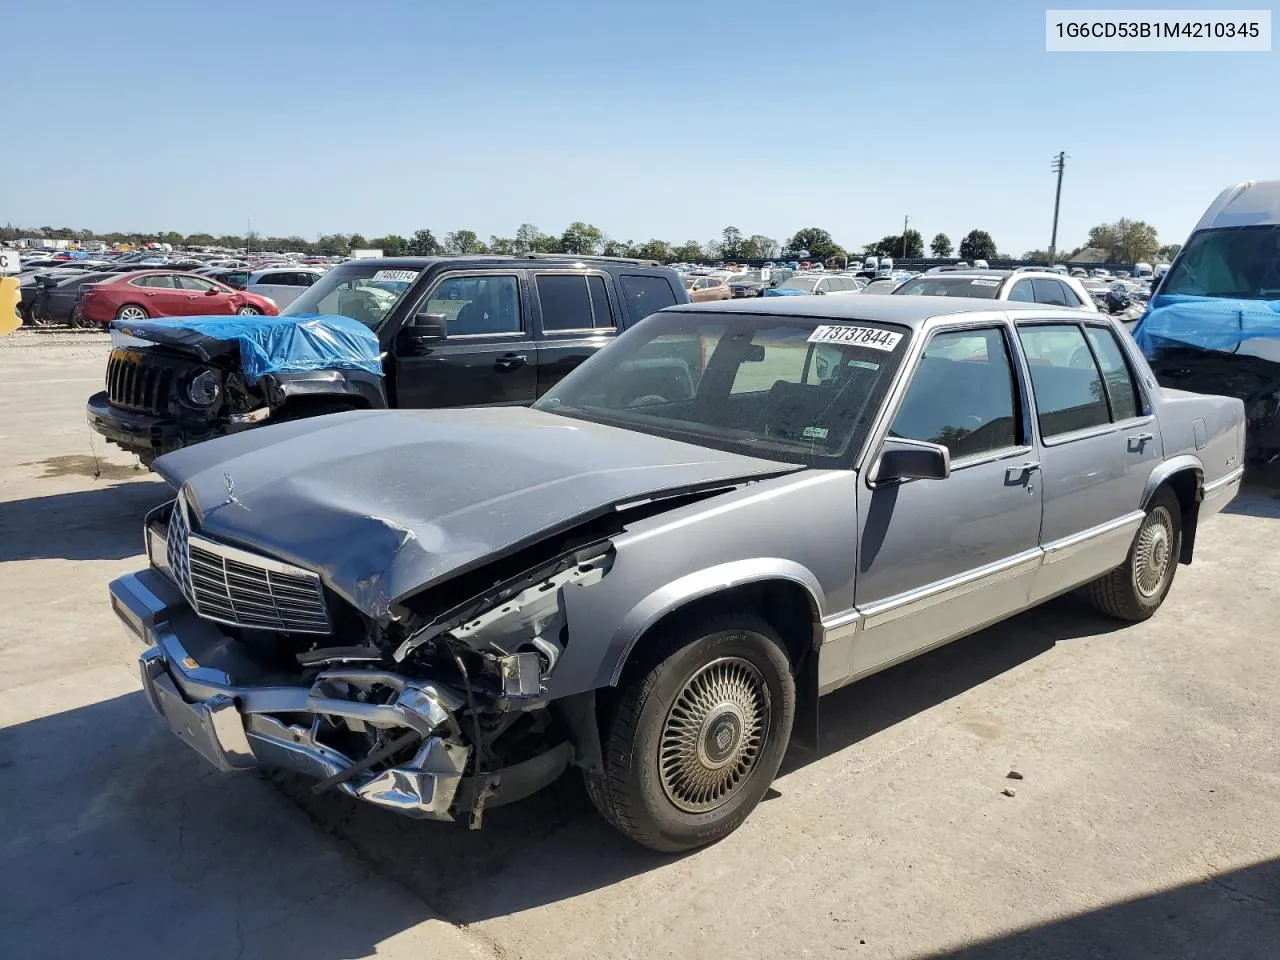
[[371, 334], [654, 572]]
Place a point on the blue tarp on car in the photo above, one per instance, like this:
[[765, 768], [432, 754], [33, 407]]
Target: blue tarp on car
[[1206, 323], [268, 344]]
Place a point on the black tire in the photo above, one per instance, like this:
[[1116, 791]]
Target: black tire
[[1134, 590], [701, 691]]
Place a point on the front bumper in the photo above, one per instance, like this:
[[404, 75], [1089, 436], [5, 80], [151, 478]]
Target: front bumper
[[224, 705], [136, 432]]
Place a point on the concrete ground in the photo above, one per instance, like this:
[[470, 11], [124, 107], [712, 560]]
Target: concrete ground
[[1146, 822]]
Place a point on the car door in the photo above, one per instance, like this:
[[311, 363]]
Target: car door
[[941, 558], [575, 318], [1098, 444], [161, 295], [202, 297], [487, 354]]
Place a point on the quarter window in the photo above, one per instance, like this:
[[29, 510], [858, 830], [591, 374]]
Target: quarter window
[[645, 295], [600, 309], [477, 305], [962, 395], [1069, 391], [1122, 392]]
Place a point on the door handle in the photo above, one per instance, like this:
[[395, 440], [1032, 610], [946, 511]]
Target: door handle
[[1136, 444], [511, 361], [1016, 474]]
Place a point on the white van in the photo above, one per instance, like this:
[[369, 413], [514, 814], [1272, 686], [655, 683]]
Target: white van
[[1143, 271], [1233, 249], [871, 263], [980, 265]]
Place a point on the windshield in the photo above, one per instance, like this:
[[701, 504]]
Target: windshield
[[362, 290], [983, 288], [880, 286], [1238, 262], [801, 283], [773, 387]]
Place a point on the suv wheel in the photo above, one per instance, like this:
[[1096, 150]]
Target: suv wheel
[[1136, 588], [697, 734]]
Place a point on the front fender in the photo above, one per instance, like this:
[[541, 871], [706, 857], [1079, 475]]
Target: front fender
[[357, 384], [703, 583]]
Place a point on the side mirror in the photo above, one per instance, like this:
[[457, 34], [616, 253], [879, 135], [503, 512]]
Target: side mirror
[[911, 460], [429, 326], [212, 292]]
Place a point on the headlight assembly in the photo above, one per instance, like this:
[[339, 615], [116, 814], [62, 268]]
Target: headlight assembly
[[205, 388]]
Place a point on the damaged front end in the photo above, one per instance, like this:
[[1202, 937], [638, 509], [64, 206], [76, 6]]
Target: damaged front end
[[254, 662]]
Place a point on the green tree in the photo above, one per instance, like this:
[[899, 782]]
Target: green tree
[[357, 242], [1126, 241], [1036, 256], [732, 244], [199, 240], [1169, 251], [688, 252], [759, 247], [658, 250], [423, 244], [463, 242], [940, 245], [581, 238], [392, 245], [618, 248], [977, 245], [503, 246], [528, 237], [817, 241]]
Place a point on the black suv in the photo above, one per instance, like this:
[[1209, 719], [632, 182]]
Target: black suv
[[453, 332]]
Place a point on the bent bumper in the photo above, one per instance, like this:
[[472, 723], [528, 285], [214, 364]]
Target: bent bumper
[[136, 432], [223, 705]]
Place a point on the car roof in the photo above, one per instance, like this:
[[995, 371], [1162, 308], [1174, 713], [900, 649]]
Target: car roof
[[516, 261], [886, 308]]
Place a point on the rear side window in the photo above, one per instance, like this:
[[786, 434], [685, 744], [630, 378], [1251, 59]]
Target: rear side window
[[565, 302], [646, 295], [1069, 391], [1050, 291], [1122, 392], [1023, 291]]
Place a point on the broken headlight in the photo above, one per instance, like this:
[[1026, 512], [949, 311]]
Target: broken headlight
[[204, 388]]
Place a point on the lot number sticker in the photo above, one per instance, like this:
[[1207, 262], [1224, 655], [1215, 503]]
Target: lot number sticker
[[984, 282], [856, 337], [409, 275]]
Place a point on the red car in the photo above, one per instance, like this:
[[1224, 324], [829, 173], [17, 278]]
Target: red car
[[164, 293]]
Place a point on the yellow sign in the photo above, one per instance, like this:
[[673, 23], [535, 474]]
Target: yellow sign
[[9, 294]]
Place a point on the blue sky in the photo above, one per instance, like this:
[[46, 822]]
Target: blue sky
[[654, 119]]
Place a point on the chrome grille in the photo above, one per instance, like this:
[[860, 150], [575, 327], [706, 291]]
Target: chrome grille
[[234, 586]]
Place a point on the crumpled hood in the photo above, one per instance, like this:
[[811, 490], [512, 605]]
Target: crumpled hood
[[267, 344], [1210, 323], [384, 502]]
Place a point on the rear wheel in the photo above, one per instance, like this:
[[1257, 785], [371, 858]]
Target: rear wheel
[[697, 734], [1135, 589], [131, 313], [248, 311]]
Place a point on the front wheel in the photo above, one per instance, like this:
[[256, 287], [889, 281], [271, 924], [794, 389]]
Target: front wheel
[[248, 311], [696, 736], [1135, 589]]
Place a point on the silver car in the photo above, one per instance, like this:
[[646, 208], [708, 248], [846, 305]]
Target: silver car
[[282, 284], [655, 572]]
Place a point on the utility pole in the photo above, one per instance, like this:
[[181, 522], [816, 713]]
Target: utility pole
[[905, 221], [1059, 164]]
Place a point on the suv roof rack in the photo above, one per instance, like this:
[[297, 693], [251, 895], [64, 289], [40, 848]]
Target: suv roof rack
[[586, 256]]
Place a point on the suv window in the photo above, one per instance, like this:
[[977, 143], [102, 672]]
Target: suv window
[[477, 305], [1022, 290], [600, 309], [1049, 291], [566, 305], [645, 295], [962, 395], [1068, 387], [1122, 391]]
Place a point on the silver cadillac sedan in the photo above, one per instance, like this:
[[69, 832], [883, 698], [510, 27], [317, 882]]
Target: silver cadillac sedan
[[655, 572]]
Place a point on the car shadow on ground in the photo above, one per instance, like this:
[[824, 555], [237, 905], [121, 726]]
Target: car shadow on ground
[[1234, 914], [101, 523], [1258, 497]]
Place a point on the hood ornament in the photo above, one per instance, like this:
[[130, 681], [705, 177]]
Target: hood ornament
[[231, 494]]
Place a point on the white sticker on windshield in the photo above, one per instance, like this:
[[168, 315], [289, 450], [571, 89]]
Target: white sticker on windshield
[[815, 433], [856, 337], [409, 275], [984, 282]]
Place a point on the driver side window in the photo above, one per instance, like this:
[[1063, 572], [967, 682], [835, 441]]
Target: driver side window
[[478, 305], [962, 395]]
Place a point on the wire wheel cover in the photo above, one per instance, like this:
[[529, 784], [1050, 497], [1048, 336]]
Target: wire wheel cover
[[1153, 552], [713, 734]]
